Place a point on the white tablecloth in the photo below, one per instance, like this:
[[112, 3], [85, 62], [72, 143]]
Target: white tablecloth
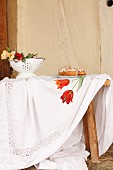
[[35, 124]]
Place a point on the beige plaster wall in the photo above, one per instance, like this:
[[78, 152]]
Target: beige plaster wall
[[106, 27], [62, 31]]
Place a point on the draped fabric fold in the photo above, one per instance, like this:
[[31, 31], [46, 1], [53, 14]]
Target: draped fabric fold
[[37, 128]]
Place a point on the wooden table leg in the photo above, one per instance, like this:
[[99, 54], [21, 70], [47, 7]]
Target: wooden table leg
[[91, 133]]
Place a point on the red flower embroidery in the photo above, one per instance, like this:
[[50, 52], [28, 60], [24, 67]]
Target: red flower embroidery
[[61, 83], [19, 56], [67, 96]]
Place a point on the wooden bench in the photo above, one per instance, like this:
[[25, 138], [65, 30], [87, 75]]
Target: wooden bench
[[90, 132]]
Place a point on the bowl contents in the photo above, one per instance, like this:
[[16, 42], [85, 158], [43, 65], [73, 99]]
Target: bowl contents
[[69, 71]]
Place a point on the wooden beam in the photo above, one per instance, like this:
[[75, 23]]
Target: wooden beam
[[3, 25], [4, 64]]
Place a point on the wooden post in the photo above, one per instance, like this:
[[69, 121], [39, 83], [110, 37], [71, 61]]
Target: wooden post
[[3, 25], [4, 64]]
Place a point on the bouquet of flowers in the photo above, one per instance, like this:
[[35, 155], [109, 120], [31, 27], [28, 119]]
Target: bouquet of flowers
[[16, 56]]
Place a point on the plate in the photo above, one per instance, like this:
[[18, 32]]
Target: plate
[[58, 76]]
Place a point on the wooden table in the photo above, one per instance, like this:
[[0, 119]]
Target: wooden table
[[90, 132]]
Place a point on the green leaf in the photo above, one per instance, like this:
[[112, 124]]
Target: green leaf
[[80, 82], [8, 49], [30, 55], [23, 59]]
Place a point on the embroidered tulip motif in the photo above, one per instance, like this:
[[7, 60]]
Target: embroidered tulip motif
[[61, 83], [67, 96]]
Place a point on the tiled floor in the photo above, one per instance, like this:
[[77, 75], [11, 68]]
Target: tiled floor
[[106, 162]]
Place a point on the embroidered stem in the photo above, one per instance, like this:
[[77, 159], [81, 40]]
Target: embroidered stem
[[79, 82]]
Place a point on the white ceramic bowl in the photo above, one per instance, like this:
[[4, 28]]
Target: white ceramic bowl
[[27, 68]]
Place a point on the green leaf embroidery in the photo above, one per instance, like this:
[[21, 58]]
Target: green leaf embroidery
[[80, 82]]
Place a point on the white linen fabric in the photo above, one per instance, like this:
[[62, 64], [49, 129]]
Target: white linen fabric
[[36, 127]]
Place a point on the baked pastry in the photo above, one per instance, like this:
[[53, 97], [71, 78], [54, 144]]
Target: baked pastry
[[71, 72], [81, 72], [67, 71]]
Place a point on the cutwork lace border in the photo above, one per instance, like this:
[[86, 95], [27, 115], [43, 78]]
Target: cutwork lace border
[[18, 151]]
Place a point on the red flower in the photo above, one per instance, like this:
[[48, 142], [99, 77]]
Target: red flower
[[61, 83], [67, 96], [19, 56]]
